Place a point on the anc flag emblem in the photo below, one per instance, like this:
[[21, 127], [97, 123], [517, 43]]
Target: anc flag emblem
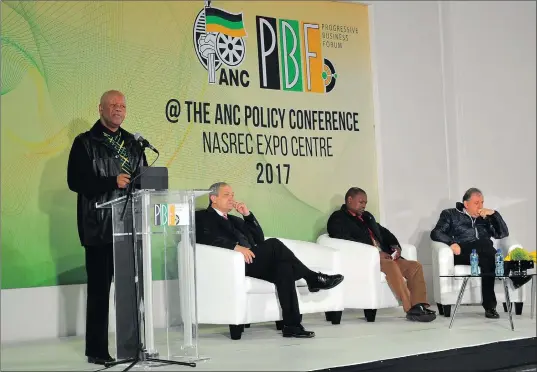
[[229, 24]]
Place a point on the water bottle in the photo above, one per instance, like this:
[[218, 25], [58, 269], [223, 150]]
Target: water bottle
[[474, 263], [499, 262]]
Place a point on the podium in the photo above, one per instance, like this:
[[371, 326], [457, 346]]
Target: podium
[[154, 275]]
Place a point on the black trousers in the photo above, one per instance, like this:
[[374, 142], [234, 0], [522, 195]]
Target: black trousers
[[275, 263], [99, 270], [486, 252]]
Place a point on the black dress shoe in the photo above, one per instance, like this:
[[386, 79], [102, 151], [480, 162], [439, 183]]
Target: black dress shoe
[[296, 331], [323, 281], [418, 313], [492, 314], [101, 360], [427, 310]]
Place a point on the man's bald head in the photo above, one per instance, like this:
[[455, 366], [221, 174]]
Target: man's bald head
[[106, 95], [112, 109]]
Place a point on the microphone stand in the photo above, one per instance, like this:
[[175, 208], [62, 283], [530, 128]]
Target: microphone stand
[[141, 352]]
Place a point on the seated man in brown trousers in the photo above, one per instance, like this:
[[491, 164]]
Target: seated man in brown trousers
[[352, 222]]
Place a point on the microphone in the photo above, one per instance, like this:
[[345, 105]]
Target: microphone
[[138, 137]]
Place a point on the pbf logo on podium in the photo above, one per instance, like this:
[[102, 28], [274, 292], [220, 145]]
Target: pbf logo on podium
[[171, 214]]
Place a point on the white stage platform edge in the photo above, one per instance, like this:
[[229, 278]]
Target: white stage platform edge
[[262, 348]]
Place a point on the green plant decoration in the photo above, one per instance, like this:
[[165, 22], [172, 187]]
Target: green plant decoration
[[519, 254]]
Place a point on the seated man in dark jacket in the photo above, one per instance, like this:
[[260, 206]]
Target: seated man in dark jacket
[[469, 226], [268, 260], [352, 222]]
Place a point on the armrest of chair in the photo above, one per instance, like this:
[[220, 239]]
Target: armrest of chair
[[220, 282], [315, 256], [443, 261], [360, 263], [443, 264], [507, 244], [409, 252]]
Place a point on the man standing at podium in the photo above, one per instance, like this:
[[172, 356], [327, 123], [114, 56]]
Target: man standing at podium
[[268, 260], [100, 166]]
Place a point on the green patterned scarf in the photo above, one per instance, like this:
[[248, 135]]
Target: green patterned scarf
[[118, 145]]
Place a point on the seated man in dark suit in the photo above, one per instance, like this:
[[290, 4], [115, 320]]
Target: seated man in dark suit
[[352, 222], [268, 260]]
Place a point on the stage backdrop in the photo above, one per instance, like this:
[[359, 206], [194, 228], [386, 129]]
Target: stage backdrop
[[274, 98]]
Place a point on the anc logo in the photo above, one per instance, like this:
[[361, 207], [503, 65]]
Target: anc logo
[[289, 52], [218, 39]]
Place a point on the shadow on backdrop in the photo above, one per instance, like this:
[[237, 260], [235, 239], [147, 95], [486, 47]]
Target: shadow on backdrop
[[320, 225], [59, 203]]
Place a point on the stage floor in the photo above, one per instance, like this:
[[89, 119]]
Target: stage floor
[[352, 342]]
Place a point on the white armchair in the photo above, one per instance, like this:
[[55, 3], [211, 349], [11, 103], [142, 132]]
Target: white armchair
[[365, 286], [446, 290], [225, 295]]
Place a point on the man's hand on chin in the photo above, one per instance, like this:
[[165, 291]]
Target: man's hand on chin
[[242, 208], [484, 212]]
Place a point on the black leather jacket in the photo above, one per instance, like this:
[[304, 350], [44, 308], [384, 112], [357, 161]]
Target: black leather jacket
[[456, 226], [342, 225], [91, 172]]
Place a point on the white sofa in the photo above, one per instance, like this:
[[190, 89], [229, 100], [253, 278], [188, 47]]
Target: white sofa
[[446, 290], [225, 295], [365, 286]]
